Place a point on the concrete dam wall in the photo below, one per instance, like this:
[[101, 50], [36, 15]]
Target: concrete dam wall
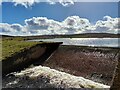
[[96, 64]]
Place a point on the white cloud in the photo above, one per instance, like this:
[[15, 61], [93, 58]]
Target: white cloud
[[71, 25], [13, 29], [29, 3], [26, 3], [108, 24], [66, 2], [76, 22], [6, 27]]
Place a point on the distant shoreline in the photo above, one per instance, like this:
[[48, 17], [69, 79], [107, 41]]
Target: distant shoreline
[[85, 35]]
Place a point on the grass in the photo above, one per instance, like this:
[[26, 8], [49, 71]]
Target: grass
[[12, 45]]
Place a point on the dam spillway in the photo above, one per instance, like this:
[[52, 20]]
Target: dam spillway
[[97, 64]]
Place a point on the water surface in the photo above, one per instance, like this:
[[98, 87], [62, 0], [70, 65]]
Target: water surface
[[100, 42]]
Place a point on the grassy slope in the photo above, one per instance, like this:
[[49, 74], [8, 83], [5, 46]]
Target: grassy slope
[[12, 45]]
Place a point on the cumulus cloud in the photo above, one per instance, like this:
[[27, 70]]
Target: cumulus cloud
[[7, 27], [26, 3], [13, 29], [67, 2], [17, 27], [71, 25], [29, 3], [76, 22], [107, 25], [42, 24]]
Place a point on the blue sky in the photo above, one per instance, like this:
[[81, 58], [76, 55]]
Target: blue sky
[[92, 11], [46, 18]]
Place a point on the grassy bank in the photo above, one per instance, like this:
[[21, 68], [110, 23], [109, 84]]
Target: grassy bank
[[11, 45], [18, 53]]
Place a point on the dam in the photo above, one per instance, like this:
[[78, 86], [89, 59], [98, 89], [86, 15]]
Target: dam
[[93, 63]]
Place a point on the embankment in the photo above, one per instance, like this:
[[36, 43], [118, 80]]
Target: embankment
[[20, 60]]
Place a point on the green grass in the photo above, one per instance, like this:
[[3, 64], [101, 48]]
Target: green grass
[[12, 45]]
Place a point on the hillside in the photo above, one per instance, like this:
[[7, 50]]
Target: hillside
[[86, 35]]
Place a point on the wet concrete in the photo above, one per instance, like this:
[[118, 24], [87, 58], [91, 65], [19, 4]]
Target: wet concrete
[[97, 64], [116, 79]]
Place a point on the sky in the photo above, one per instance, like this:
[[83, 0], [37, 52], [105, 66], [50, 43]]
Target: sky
[[92, 11], [19, 18]]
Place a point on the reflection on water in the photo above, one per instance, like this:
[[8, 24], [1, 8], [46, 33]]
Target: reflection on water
[[102, 42]]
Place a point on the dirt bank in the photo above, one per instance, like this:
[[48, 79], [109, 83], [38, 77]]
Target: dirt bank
[[97, 64]]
